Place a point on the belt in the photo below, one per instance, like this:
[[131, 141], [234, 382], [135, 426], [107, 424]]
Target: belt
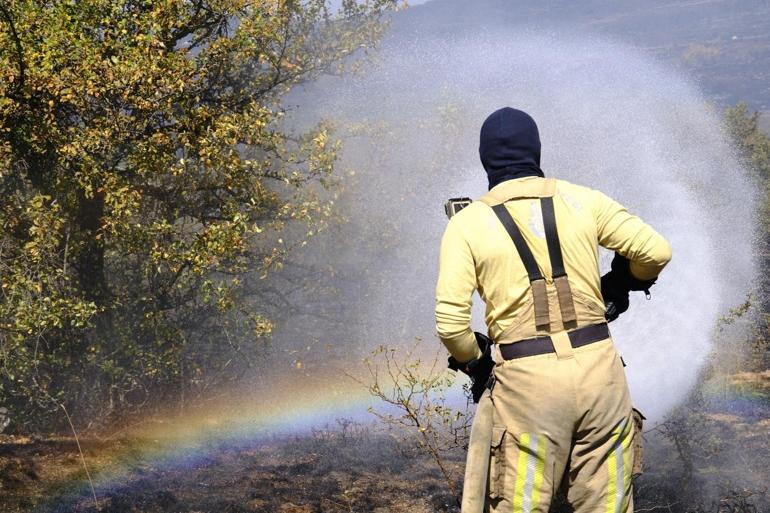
[[543, 345]]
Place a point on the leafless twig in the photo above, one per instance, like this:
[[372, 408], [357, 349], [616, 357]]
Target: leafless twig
[[82, 457]]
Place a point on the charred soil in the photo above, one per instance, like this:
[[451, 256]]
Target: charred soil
[[708, 456]]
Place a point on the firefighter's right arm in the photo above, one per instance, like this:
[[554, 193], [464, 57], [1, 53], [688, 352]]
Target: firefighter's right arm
[[454, 291], [620, 231]]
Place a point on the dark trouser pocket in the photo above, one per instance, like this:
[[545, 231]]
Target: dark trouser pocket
[[497, 464], [637, 442]]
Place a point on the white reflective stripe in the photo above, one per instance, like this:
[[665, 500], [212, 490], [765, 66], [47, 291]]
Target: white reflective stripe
[[617, 465], [530, 479], [620, 482], [530, 470]]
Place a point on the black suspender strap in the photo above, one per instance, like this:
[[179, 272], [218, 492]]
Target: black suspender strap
[[527, 258], [552, 238], [563, 290], [536, 280]]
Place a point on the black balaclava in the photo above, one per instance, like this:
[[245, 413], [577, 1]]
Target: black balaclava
[[509, 146]]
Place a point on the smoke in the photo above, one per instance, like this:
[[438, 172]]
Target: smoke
[[610, 117]]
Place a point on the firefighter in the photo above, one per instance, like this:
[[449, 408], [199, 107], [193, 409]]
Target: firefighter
[[560, 405]]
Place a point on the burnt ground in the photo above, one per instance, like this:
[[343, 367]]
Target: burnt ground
[[710, 456], [309, 475], [321, 472]]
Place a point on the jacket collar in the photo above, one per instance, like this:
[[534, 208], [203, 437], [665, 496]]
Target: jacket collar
[[527, 187]]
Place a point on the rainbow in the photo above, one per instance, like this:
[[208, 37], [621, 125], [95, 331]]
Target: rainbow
[[745, 394], [269, 409], [240, 420]]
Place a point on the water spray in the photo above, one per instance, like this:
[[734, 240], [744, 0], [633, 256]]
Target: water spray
[[610, 117]]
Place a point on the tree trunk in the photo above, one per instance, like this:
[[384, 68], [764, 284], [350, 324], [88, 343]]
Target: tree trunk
[[90, 261]]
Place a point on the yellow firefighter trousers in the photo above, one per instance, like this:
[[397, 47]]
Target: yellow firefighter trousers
[[562, 415]]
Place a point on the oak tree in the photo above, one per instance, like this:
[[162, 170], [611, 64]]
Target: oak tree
[[145, 167]]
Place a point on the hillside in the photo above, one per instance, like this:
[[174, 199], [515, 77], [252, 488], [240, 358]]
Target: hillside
[[724, 45]]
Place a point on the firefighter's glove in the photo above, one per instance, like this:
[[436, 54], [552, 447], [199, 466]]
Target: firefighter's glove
[[479, 369], [616, 285]]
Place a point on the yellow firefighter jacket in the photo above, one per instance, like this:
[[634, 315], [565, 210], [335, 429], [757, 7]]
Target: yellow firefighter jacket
[[477, 254]]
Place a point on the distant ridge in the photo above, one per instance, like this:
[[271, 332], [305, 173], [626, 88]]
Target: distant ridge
[[724, 45]]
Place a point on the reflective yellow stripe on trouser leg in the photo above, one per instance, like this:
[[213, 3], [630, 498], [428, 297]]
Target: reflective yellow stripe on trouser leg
[[619, 469], [529, 473]]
